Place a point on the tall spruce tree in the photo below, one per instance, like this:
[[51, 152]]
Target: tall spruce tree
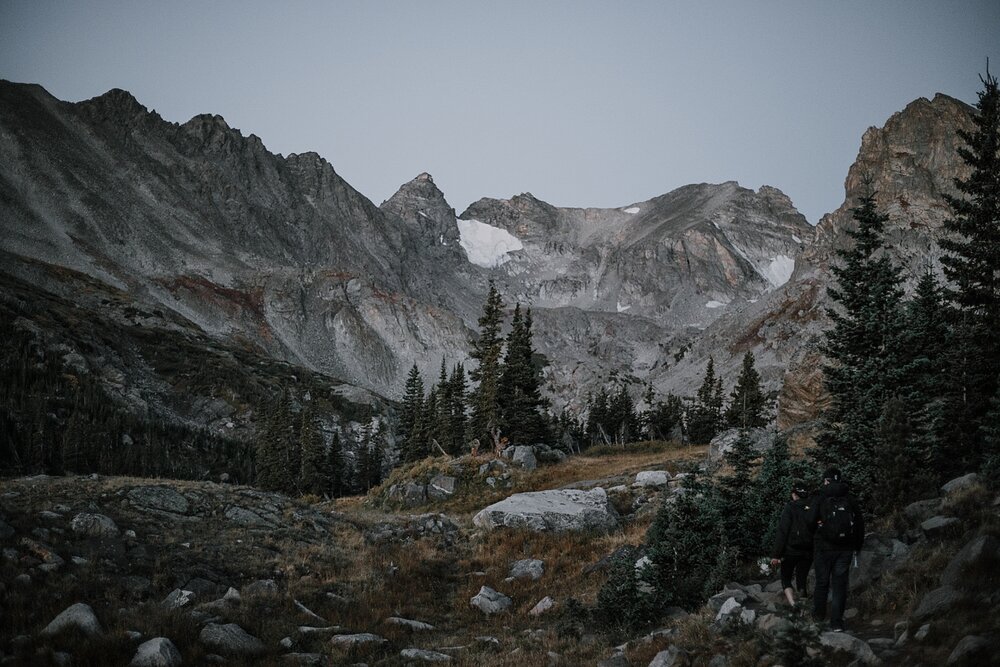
[[521, 418], [863, 346], [336, 468], [664, 418], [409, 418], [705, 415], [487, 350], [741, 511], [747, 403], [457, 412], [442, 419], [972, 263], [313, 474], [597, 418]]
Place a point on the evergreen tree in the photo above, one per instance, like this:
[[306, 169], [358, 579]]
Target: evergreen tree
[[597, 417], [863, 346], [375, 444], [486, 350], [442, 416], [705, 416], [520, 412], [972, 263], [773, 487], [741, 511], [457, 411], [909, 476], [623, 420], [273, 445], [313, 475], [429, 431], [664, 418], [622, 604], [336, 471], [409, 418], [747, 403]]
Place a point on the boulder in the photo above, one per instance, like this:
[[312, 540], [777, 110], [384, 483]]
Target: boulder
[[157, 652], [616, 659], [983, 550], [424, 655], [938, 525], [261, 588], [525, 457], [847, 643], [556, 510], [230, 639], [716, 601], [409, 494], [161, 498], [772, 624], [546, 454], [922, 510], [528, 568], [959, 483], [441, 487], [418, 626], [544, 605], [493, 467], [652, 478], [729, 609], [242, 516], [971, 649], [359, 639], [94, 525], [178, 598], [937, 602], [671, 657], [490, 601], [75, 617], [762, 439]]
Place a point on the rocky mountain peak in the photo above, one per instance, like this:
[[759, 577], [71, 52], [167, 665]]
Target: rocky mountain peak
[[422, 205]]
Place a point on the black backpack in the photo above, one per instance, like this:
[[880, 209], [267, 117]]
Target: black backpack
[[800, 536], [838, 521]]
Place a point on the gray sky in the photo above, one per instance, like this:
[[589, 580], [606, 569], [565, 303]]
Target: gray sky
[[581, 103]]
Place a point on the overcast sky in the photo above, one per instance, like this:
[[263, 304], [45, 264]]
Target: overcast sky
[[581, 103]]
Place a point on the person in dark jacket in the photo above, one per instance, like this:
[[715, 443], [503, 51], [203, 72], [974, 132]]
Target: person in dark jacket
[[840, 533], [793, 545]]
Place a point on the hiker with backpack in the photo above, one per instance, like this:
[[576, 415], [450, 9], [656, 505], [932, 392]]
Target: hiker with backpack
[[793, 545], [840, 533]]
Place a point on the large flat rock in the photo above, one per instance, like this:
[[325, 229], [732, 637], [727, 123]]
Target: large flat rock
[[556, 510]]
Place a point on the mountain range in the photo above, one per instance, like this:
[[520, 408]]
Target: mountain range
[[196, 230]]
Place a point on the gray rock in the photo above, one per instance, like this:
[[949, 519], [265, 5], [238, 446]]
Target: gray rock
[[490, 601], [938, 525], [493, 466], [970, 648], [718, 660], [922, 510], [23, 579], [772, 624], [616, 659], [527, 568], [937, 602], [409, 494], [418, 626], [178, 598], [543, 605], [359, 639], [847, 643], [423, 655], [667, 658], [656, 479], [729, 609], [75, 617], [230, 639], [241, 516], [524, 456], [959, 483], [286, 643], [441, 487], [555, 510], [162, 498], [716, 601], [983, 550], [261, 588], [94, 525], [157, 652], [133, 635]]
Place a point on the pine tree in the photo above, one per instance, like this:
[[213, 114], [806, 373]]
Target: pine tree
[[747, 402], [521, 418], [457, 411], [375, 444], [313, 473], [486, 350], [773, 487], [864, 350], [429, 422], [336, 472], [972, 263], [442, 417], [907, 475], [409, 418], [741, 511], [664, 418], [271, 446], [705, 415], [597, 418]]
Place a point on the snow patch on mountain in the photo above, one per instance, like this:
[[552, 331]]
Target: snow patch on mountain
[[779, 271], [486, 245], [632, 209], [715, 304]]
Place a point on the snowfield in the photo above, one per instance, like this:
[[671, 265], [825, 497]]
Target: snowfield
[[486, 245], [779, 271], [715, 304], [632, 209]]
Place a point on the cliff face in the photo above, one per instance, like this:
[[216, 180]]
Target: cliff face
[[281, 254]]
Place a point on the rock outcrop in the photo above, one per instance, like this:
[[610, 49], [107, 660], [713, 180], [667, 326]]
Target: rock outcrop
[[556, 511]]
